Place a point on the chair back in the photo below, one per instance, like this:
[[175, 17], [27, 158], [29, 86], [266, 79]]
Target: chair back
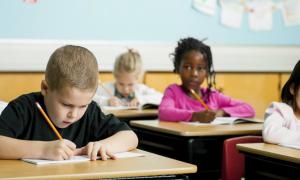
[[233, 161]]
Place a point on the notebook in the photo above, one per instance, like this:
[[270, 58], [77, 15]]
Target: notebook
[[76, 159], [144, 106], [226, 120], [290, 146], [234, 120], [114, 108]]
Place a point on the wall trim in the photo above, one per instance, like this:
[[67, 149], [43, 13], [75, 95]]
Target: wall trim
[[27, 55]]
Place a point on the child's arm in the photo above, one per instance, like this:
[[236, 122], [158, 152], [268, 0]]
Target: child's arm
[[114, 101], [102, 95], [146, 94], [276, 131], [119, 142], [232, 107], [16, 149], [109, 134], [169, 112]]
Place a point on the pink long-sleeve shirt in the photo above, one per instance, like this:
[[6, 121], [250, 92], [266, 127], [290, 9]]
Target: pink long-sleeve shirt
[[176, 105]]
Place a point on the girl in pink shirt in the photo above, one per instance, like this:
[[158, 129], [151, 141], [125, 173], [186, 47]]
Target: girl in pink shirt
[[193, 62]]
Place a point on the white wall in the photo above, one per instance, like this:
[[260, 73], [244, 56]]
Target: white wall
[[32, 55]]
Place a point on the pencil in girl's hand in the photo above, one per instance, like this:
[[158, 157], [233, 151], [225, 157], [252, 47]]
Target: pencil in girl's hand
[[107, 90], [48, 121], [199, 99]]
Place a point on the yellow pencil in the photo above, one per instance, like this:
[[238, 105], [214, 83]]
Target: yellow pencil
[[48, 120], [199, 99]]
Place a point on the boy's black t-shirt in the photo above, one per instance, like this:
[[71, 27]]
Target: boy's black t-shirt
[[21, 119]]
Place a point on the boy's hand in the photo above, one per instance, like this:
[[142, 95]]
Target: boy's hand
[[114, 101], [58, 150], [205, 116], [92, 149]]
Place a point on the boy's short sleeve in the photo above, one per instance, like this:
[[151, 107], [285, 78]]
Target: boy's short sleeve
[[12, 119], [105, 125]]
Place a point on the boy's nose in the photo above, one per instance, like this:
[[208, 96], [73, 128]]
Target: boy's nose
[[73, 113]]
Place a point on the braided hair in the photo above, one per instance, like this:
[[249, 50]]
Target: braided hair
[[191, 44]]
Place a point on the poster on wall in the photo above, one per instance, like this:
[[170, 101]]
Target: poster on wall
[[290, 10], [30, 1], [260, 15], [260, 12], [231, 13], [205, 6]]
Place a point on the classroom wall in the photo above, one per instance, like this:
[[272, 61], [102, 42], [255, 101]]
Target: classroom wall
[[131, 20], [252, 66], [32, 55]]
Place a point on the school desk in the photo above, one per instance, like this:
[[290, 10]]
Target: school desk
[[200, 145], [134, 114], [269, 161], [150, 165]]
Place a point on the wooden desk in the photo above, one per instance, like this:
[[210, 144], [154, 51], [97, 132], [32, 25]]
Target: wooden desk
[[149, 165], [269, 161], [134, 114], [201, 145]]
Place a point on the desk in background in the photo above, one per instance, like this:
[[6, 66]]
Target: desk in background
[[270, 161], [134, 114], [148, 165], [200, 145]]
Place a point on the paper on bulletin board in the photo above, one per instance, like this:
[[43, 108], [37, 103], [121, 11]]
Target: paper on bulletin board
[[205, 6], [231, 13], [30, 1], [260, 15], [291, 12]]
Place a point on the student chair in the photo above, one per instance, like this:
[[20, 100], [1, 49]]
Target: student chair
[[233, 161]]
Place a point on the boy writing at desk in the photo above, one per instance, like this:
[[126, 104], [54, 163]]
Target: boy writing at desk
[[71, 80]]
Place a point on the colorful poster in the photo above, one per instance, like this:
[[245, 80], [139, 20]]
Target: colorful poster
[[205, 6], [260, 15], [291, 12], [231, 13]]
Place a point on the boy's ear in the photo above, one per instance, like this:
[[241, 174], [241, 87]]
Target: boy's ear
[[44, 88]]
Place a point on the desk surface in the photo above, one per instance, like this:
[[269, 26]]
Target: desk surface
[[148, 165], [182, 129], [133, 113], [272, 151]]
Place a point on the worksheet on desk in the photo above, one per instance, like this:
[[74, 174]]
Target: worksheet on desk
[[76, 159]]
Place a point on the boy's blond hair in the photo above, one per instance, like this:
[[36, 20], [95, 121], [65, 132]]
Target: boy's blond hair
[[73, 66], [128, 62]]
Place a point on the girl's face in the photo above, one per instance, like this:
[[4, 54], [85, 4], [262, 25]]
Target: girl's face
[[192, 70], [125, 83]]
